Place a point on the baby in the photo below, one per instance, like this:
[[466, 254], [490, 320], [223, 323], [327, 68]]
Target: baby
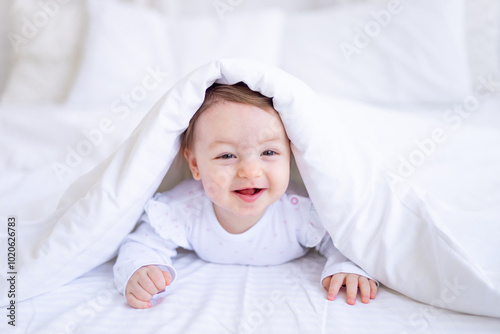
[[236, 210]]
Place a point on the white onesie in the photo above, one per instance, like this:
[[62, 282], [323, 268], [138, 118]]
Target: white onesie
[[184, 217]]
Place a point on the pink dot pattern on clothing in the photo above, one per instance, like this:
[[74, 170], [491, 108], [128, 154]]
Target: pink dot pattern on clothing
[[245, 250]]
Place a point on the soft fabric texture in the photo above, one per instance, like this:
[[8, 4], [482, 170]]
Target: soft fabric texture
[[365, 51], [130, 53], [45, 39], [125, 41], [215, 298], [392, 234], [256, 34], [453, 37]]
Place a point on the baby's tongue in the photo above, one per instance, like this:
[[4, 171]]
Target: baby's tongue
[[246, 191]]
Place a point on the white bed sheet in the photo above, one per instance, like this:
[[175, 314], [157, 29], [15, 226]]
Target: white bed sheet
[[215, 298]]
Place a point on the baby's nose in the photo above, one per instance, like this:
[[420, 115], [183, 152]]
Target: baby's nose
[[249, 170]]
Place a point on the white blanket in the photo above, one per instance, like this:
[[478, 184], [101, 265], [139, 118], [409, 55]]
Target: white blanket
[[391, 232]]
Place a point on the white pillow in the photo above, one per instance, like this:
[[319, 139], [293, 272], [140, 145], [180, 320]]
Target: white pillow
[[237, 34], [483, 39], [126, 59], [44, 38], [398, 51], [5, 47]]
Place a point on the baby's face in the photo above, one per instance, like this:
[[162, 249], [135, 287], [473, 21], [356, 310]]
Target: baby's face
[[242, 154]]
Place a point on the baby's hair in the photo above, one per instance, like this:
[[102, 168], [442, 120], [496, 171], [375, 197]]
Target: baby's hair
[[238, 93]]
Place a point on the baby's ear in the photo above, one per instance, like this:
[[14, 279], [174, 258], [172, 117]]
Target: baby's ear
[[193, 165]]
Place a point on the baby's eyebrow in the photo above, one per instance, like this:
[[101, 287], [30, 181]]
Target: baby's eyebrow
[[273, 138], [218, 142], [221, 142]]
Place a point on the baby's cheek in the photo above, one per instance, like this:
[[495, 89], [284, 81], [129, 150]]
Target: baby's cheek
[[212, 189], [281, 179], [216, 183]]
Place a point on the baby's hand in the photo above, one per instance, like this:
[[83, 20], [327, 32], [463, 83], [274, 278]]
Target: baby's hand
[[367, 287], [144, 283]]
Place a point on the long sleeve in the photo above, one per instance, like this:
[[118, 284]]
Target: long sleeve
[[141, 248], [313, 234], [336, 262]]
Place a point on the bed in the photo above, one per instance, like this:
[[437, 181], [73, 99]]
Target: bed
[[430, 108]]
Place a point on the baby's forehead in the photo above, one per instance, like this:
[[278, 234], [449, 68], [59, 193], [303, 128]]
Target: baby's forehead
[[226, 115], [235, 110]]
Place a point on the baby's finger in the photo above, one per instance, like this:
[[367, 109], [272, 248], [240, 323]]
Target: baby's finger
[[364, 289], [138, 292], [351, 282], [136, 303], [336, 283], [373, 289], [167, 277], [147, 284], [326, 282], [157, 278]]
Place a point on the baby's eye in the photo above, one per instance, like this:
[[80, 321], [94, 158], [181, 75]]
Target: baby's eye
[[226, 156], [269, 152]]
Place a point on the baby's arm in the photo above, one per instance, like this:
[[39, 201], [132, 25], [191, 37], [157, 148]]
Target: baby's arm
[[340, 271], [144, 266]]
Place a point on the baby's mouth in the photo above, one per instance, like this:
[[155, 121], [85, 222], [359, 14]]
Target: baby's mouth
[[249, 191]]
